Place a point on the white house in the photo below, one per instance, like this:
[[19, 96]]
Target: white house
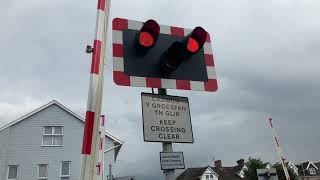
[[294, 167], [309, 170], [46, 145], [216, 172], [209, 174]]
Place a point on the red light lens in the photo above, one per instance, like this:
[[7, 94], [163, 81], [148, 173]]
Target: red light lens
[[149, 34], [192, 45], [146, 39], [196, 40]]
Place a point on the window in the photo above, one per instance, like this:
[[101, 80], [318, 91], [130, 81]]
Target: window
[[312, 171], [209, 176], [52, 136], [65, 170], [12, 172], [43, 171]]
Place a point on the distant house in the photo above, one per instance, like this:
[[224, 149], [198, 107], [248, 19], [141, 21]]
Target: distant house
[[294, 167], [46, 145], [218, 172], [309, 170], [214, 173], [267, 165]]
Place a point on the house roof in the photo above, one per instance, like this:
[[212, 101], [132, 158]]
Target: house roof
[[305, 166], [292, 165], [54, 102], [192, 173], [266, 164], [224, 173], [238, 168], [299, 166], [311, 163], [227, 173]]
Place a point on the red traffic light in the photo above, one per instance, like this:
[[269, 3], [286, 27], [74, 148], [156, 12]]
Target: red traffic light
[[149, 33], [180, 51], [196, 40]]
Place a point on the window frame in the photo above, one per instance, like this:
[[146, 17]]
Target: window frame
[[8, 168], [209, 176], [42, 178], [63, 176], [313, 172], [53, 134]]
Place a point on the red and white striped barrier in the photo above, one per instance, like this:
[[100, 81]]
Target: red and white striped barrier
[[276, 142], [97, 62], [121, 78], [92, 118], [100, 155]]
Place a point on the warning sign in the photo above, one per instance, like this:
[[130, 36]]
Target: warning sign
[[166, 118], [171, 160]]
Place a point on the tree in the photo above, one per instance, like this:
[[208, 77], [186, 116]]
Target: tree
[[252, 165], [280, 172]]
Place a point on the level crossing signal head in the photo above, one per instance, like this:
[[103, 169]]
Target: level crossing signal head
[[146, 54], [180, 51], [148, 34]]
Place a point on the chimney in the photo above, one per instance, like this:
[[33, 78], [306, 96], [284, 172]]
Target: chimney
[[240, 162], [218, 164]]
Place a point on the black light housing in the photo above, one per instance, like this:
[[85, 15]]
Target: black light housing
[[180, 51], [172, 57]]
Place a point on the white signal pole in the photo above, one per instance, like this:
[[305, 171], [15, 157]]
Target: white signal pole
[[92, 123], [167, 146]]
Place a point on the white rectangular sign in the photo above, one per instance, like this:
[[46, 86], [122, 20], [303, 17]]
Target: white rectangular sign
[[171, 160], [166, 118]]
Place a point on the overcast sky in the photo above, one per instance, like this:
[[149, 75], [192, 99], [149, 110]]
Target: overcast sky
[[266, 56]]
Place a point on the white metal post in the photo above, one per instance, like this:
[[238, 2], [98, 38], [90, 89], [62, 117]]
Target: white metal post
[[167, 146]]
